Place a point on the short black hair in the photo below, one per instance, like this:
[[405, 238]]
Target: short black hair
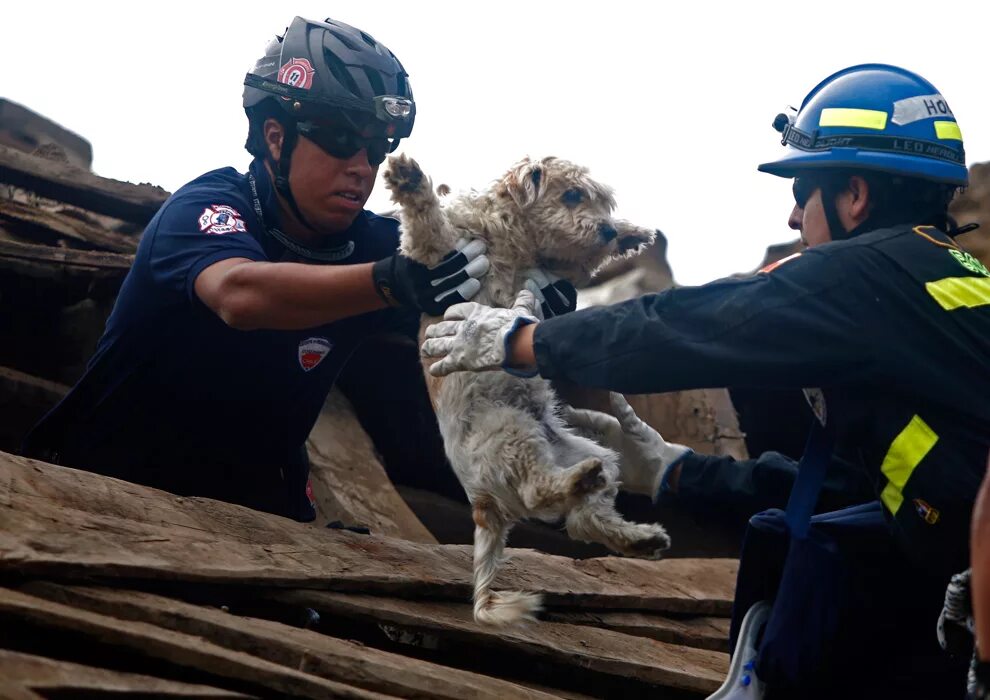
[[898, 200]]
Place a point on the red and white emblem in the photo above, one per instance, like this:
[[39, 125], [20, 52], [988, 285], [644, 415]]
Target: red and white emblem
[[312, 351], [298, 73], [219, 219]]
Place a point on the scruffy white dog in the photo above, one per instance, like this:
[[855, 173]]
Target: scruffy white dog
[[503, 434]]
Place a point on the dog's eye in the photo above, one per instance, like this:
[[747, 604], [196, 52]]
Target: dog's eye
[[572, 197]]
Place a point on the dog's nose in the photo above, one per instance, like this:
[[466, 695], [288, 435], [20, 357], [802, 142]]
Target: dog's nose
[[607, 232]]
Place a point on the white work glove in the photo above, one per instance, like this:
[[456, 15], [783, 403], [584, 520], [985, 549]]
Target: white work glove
[[556, 295], [475, 337], [644, 455]]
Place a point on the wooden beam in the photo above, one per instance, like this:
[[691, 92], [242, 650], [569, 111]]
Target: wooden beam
[[66, 523], [350, 483], [176, 650], [62, 677], [599, 650], [81, 188], [339, 660], [43, 226], [700, 632]]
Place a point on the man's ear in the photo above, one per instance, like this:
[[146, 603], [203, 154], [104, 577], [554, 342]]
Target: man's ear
[[274, 134], [632, 238], [524, 182], [859, 200]]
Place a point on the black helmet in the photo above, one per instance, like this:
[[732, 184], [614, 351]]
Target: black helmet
[[334, 72]]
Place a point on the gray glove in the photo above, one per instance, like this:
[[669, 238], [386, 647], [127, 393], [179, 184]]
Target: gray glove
[[645, 455], [556, 295], [475, 337]]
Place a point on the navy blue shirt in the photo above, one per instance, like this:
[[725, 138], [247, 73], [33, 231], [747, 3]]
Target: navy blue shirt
[[175, 398]]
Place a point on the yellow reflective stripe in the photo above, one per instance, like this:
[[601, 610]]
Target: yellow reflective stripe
[[862, 118], [948, 130], [905, 453], [960, 292]]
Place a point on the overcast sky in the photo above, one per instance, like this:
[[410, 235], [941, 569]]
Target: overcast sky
[[669, 103]]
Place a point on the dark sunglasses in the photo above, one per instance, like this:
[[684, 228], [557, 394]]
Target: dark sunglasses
[[803, 188], [344, 144]]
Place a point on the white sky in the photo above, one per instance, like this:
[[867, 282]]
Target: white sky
[[669, 103]]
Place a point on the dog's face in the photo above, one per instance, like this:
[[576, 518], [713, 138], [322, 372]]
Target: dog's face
[[568, 218]]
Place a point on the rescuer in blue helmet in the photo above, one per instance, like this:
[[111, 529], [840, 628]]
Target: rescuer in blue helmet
[[883, 322]]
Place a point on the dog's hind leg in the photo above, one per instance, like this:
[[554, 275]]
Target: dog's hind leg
[[426, 234], [598, 521], [495, 607], [555, 487]]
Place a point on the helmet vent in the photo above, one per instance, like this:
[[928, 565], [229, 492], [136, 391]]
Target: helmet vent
[[377, 84], [343, 39], [340, 72], [369, 40], [400, 84]]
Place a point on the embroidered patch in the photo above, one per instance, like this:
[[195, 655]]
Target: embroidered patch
[[312, 351], [969, 262], [220, 219], [298, 73], [774, 265], [926, 512]]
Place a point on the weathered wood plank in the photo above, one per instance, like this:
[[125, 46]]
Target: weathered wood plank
[[701, 632], [41, 225], [334, 659], [52, 257], [173, 648], [67, 523], [79, 187], [349, 482], [38, 673], [26, 399], [599, 650]]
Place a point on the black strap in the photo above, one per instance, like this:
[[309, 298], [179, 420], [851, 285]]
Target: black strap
[[810, 477], [894, 144]]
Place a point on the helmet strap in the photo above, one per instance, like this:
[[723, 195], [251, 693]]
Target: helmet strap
[[282, 167], [830, 192]]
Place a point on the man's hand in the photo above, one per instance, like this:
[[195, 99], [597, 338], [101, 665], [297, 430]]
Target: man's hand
[[476, 337], [556, 295], [401, 281], [645, 455]]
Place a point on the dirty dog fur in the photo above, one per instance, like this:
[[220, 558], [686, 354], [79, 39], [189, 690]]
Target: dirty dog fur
[[503, 436]]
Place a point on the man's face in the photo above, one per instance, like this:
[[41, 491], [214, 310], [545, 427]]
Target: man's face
[[330, 191]]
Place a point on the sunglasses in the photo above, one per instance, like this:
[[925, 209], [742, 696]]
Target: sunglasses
[[344, 144], [803, 188]]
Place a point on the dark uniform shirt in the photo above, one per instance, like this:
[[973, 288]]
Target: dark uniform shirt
[[175, 398], [893, 325]]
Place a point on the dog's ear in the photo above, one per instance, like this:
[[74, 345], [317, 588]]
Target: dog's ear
[[632, 238], [524, 183]]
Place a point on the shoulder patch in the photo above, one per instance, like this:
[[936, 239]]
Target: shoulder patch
[[219, 219], [968, 261], [774, 265]]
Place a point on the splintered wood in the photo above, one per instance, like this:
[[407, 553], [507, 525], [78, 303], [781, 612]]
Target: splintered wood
[[60, 524]]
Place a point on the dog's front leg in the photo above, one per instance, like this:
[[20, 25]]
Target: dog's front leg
[[426, 234]]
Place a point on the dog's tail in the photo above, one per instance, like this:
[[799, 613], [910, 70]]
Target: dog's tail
[[495, 607]]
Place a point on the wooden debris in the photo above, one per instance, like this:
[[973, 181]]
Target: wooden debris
[[40, 225], [36, 673], [350, 483], [700, 632], [73, 185], [179, 651], [63, 522], [304, 650], [599, 650]]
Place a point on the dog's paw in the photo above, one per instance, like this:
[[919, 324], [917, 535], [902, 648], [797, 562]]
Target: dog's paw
[[404, 177], [652, 543]]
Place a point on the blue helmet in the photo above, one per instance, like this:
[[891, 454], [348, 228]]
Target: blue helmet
[[873, 117]]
